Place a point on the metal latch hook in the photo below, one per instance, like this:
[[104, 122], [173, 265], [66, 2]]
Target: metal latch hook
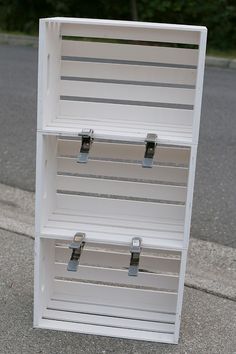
[[135, 251], [151, 143], [77, 246], [87, 140]]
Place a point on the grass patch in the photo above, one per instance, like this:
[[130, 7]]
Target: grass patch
[[18, 33], [229, 54]]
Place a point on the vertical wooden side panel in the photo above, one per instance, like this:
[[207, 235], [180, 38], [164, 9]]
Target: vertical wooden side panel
[[38, 306], [46, 170], [37, 254], [180, 295], [40, 155], [41, 70], [189, 200], [188, 214], [48, 256], [44, 204], [48, 72], [199, 86], [45, 254]]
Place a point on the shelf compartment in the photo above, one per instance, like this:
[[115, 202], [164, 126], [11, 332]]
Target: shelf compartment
[[121, 86], [147, 303], [112, 197]]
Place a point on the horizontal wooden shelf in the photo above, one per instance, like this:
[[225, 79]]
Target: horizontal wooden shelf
[[163, 137], [64, 223]]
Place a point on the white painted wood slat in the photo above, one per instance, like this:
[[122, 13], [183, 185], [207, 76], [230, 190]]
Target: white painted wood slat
[[110, 311], [134, 135], [118, 260], [113, 169], [135, 127], [118, 276], [130, 52], [116, 207], [109, 321], [174, 155], [109, 295], [146, 251], [126, 113], [121, 132], [126, 72], [127, 92], [121, 188], [166, 239], [75, 123], [125, 222], [107, 331], [132, 32], [111, 231]]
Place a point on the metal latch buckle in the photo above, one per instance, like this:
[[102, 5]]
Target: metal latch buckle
[[135, 251], [151, 143], [77, 245], [87, 140]]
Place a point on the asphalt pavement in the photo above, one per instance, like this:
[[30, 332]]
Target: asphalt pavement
[[214, 215]]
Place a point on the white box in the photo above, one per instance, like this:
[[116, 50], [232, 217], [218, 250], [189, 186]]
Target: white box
[[124, 80]]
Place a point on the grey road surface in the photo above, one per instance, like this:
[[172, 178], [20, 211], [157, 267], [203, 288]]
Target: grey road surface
[[214, 209]]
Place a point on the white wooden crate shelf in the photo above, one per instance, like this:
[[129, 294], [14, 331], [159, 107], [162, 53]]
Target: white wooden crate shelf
[[92, 77], [123, 80], [112, 198], [102, 295]]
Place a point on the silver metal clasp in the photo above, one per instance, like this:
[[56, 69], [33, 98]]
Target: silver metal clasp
[[77, 245], [87, 140], [151, 143], [135, 251]]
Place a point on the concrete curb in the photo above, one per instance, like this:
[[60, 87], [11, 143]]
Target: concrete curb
[[15, 39], [33, 41], [17, 210], [221, 62], [211, 267]]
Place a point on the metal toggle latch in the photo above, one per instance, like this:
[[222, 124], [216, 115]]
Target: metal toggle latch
[[151, 143], [135, 251], [77, 245], [87, 140]]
